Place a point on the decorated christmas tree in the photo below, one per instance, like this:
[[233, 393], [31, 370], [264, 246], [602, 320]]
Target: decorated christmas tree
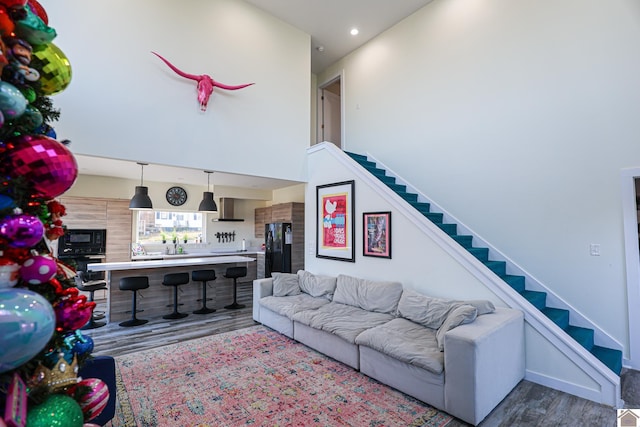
[[41, 310]]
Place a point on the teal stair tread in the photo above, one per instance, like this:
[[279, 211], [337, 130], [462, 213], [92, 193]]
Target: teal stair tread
[[584, 336], [516, 282], [559, 316], [450, 229], [498, 267], [464, 240], [610, 357], [536, 298], [482, 254]]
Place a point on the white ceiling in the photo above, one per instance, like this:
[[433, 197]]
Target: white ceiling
[[328, 22]]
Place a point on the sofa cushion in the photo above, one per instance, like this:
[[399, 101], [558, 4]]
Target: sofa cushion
[[289, 305], [456, 317], [316, 285], [407, 342], [285, 284], [381, 297], [343, 320], [427, 311]]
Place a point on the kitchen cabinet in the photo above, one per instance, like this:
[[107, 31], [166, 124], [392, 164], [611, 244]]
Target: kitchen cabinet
[[96, 213], [262, 216]]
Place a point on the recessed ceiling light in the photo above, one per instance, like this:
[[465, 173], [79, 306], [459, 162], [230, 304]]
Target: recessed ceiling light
[[354, 31]]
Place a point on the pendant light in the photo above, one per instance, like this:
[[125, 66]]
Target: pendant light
[[141, 200], [208, 204]]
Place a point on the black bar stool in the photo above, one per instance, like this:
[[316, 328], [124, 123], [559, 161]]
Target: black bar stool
[[234, 273], [175, 280], [134, 283], [203, 276], [90, 286]]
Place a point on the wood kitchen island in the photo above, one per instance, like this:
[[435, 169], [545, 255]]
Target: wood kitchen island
[[156, 301]]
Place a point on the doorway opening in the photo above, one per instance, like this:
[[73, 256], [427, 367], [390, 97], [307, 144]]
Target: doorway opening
[[631, 222], [330, 112]]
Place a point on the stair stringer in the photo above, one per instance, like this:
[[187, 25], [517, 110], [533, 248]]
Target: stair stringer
[[609, 383]]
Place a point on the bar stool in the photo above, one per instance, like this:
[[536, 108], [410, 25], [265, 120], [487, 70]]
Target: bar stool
[[234, 273], [90, 286], [134, 283], [175, 280], [203, 276]]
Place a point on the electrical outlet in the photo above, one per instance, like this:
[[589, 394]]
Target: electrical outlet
[[594, 249]]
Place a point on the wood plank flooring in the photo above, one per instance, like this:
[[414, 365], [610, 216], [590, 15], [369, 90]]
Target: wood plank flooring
[[527, 405]]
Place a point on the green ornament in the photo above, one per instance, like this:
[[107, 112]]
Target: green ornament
[[29, 93], [58, 410]]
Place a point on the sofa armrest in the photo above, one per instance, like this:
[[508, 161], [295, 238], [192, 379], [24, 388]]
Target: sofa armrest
[[483, 361], [261, 288]]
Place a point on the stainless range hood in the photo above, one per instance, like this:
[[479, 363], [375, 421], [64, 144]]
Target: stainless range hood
[[225, 210]]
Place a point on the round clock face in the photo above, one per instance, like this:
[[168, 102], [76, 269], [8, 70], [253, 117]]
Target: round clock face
[[176, 196]]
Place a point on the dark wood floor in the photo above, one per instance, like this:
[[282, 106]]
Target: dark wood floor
[[527, 405]]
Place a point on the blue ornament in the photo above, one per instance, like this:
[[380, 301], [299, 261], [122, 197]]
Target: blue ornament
[[28, 322], [6, 202]]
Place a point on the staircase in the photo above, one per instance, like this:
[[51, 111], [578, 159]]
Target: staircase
[[611, 358]]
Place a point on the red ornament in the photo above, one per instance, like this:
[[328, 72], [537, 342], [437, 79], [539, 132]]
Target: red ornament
[[38, 10], [95, 400], [46, 163]]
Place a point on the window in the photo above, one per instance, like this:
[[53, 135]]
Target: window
[[156, 226]]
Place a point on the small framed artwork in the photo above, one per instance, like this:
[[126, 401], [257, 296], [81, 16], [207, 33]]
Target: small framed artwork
[[376, 234], [335, 222]]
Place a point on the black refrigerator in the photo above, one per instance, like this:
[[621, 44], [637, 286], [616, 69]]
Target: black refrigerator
[[277, 253]]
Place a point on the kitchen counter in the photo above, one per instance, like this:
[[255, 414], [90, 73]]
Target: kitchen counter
[[155, 299], [161, 256], [180, 260]]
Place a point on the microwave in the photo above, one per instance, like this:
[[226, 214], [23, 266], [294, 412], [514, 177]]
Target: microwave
[[82, 242]]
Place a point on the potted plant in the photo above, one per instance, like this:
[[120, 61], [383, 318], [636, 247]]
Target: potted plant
[[185, 238], [174, 237], [164, 237]]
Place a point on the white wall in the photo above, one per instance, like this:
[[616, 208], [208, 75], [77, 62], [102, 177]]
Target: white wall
[[123, 102], [517, 118]]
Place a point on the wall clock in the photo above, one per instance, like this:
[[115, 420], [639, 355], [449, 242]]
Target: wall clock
[[176, 196]]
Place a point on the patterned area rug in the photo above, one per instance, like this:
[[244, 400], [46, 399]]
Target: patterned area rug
[[257, 377]]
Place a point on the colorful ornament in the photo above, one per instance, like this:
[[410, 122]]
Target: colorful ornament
[[93, 402], [8, 272], [32, 117], [78, 344], [22, 231], [6, 202], [46, 163], [55, 74], [34, 30], [73, 313], [38, 269], [38, 10], [28, 322], [58, 410], [12, 101], [206, 84]]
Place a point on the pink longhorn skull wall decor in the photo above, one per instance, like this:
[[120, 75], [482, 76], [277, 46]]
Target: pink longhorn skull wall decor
[[205, 83]]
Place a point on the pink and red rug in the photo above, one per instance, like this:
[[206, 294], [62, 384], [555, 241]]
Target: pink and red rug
[[256, 377]]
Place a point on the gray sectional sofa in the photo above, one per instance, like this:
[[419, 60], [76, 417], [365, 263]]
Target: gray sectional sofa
[[462, 357]]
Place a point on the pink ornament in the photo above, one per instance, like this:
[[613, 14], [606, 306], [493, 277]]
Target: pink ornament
[[73, 313], [38, 269], [8, 273], [94, 401], [22, 231], [45, 162]]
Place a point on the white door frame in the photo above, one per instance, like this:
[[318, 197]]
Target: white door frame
[[632, 260], [338, 75]]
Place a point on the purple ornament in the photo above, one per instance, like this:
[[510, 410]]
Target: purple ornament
[[22, 231], [46, 163], [38, 270]]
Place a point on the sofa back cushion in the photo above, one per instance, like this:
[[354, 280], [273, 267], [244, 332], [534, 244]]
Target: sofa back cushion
[[316, 285], [369, 295], [432, 312], [285, 284], [460, 315]]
